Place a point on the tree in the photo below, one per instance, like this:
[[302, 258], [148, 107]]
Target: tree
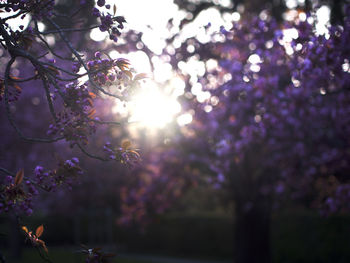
[[270, 114], [47, 59], [277, 121], [274, 121]]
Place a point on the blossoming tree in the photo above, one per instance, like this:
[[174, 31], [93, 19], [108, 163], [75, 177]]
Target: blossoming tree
[[46, 62], [274, 122]]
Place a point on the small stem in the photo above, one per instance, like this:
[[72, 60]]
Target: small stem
[[91, 155]]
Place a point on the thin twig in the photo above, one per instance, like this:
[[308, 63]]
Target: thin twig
[[107, 122], [14, 16], [91, 155], [81, 61], [7, 171], [67, 30], [45, 258], [49, 100]]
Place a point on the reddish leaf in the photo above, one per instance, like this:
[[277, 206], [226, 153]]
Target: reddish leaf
[[126, 144], [19, 177], [128, 73], [135, 152], [90, 101], [17, 87], [141, 76], [122, 63], [91, 113], [39, 231], [92, 95], [54, 70]]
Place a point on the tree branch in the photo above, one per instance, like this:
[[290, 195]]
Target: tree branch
[[8, 111], [91, 155], [78, 56]]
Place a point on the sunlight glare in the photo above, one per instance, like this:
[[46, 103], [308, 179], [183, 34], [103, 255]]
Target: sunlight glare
[[152, 108]]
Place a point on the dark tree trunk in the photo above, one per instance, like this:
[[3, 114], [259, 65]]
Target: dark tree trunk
[[252, 210], [15, 239], [252, 231], [337, 15]]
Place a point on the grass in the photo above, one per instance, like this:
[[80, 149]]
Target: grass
[[62, 255]]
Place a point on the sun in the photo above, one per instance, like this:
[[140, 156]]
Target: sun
[[155, 103], [153, 108]]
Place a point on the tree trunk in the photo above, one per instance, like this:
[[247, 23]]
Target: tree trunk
[[337, 16], [15, 246], [252, 231]]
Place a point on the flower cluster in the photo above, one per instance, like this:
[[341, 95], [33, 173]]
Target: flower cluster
[[107, 71], [109, 23], [75, 122], [125, 154], [15, 196], [66, 173], [38, 9], [76, 67], [17, 192], [14, 90]]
